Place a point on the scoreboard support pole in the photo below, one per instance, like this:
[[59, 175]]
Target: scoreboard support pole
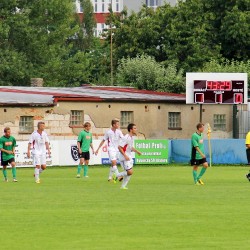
[[200, 112]]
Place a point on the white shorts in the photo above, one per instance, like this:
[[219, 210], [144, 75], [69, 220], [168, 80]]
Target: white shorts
[[113, 155], [126, 165], [39, 159]]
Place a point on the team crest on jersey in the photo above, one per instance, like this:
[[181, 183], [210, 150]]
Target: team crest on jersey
[[74, 153], [8, 143]]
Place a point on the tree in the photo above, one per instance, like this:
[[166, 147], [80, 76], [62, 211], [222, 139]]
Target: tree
[[143, 72], [135, 34], [230, 21], [36, 37], [85, 36], [187, 40], [225, 65]]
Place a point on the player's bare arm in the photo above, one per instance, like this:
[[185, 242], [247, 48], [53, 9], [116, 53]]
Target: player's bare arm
[[91, 145], [79, 147], [28, 151], [136, 151], [202, 155], [47, 147], [6, 151], [100, 145]]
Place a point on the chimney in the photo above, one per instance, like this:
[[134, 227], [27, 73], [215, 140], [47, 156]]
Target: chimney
[[36, 82]]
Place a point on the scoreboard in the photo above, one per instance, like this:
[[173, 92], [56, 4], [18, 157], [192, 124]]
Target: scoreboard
[[216, 88]]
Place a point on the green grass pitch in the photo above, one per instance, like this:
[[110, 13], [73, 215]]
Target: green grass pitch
[[162, 209]]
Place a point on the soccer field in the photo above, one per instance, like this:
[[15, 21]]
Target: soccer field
[[162, 209]]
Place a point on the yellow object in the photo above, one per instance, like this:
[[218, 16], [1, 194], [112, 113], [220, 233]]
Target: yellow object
[[209, 144], [248, 138]]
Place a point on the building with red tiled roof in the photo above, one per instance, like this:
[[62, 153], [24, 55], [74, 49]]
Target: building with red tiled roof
[[158, 115]]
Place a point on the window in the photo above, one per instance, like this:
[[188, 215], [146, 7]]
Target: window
[[126, 118], [103, 6], [117, 5], [26, 124], [152, 3], [96, 6], [220, 122], [76, 118], [174, 120]]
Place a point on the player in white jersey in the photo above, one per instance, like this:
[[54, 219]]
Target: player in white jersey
[[39, 143], [126, 148], [112, 136]]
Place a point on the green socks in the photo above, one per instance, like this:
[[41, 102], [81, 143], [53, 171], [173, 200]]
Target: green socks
[[195, 175], [202, 172], [79, 168], [14, 172], [85, 170], [5, 173]]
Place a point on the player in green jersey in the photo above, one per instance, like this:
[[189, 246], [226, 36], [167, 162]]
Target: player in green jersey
[[198, 156], [7, 147], [84, 143]]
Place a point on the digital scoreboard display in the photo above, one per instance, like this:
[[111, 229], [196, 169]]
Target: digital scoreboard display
[[218, 92]]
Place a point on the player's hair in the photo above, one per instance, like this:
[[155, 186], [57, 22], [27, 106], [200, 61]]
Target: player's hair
[[40, 123], [199, 125], [86, 124], [6, 129], [114, 121], [130, 126]]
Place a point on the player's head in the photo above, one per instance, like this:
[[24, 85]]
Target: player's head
[[200, 127], [41, 125], [115, 123], [87, 126], [7, 131], [132, 128]]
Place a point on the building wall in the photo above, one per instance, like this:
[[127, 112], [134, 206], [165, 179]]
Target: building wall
[[101, 9], [136, 5], [151, 119]]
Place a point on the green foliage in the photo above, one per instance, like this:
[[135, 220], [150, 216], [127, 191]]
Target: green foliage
[[189, 34], [136, 34], [230, 21], [14, 68], [225, 65], [47, 39], [36, 39], [85, 36], [143, 72]]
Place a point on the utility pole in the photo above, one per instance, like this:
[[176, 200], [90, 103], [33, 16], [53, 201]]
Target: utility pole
[[111, 44]]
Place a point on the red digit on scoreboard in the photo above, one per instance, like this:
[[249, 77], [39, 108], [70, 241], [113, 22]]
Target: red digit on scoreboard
[[228, 85], [209, 85], [215, 85], [221, 85], [238, 98]]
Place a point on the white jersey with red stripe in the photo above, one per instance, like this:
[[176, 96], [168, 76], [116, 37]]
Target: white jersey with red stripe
[[127, 143], [38, 141], [113, 139]]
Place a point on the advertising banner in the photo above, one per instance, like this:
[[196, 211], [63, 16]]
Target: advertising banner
[[65, 153], [153, 151]]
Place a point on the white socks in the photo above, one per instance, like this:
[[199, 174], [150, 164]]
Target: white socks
[[36, 174], [113, 169], [125, 180]]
